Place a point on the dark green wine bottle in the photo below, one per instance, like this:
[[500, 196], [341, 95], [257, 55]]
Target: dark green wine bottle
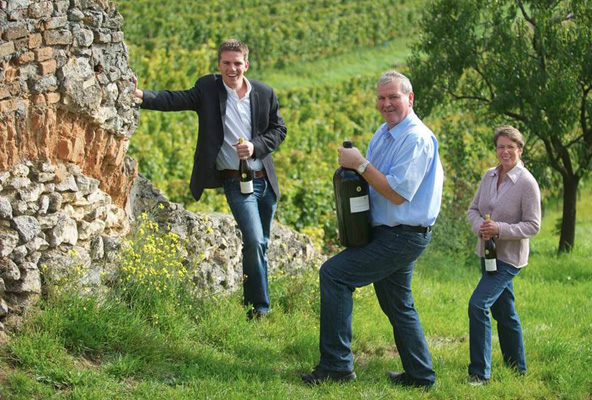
[[490, 254], [352, 203]]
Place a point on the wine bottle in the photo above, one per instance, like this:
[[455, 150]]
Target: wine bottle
[[246, 174], [490, 254], [352, 205]]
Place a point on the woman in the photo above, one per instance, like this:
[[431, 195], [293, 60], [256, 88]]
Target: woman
[[511, 196]]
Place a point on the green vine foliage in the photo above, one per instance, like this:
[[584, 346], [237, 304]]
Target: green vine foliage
[[172, 52], [466, 152], [278, 33], [319, 120]]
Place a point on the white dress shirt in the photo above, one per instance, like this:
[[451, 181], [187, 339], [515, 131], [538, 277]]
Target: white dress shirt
[[237, 124]]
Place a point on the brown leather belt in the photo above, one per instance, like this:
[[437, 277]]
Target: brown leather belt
[[233, 173]]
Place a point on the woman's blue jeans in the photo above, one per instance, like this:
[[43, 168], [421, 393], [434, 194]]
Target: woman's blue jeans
[[387, 261], [495, 292], [253, 214]]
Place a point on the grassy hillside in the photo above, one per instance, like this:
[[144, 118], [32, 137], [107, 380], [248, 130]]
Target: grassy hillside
[[174, 346], [335, 69]]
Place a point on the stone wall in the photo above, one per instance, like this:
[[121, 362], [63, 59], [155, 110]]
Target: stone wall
[[47, 213], [66, 115], [65, 86], [214, 241], [53, 218]]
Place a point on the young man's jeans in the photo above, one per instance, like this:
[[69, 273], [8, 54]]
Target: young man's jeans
[[387, 261], [253, 214], [495, 292]]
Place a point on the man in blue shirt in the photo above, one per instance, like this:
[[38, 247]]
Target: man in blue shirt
[[405, 177]]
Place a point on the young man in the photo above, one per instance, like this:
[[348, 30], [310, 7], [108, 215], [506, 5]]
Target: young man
[[230, 107], [405, 177]]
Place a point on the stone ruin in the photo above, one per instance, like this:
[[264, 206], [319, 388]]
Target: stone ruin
[[66, 184]]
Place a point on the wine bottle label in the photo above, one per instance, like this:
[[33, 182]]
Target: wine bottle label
[[359, 204], [246, 187], [490, 265]]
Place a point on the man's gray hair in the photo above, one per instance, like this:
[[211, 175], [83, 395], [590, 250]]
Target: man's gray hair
[[394, 76]]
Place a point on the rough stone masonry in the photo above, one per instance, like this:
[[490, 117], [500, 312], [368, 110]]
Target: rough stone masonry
[[68, 192]]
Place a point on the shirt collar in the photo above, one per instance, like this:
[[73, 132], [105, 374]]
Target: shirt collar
[[513, 174], [232, 93], [401, 126]]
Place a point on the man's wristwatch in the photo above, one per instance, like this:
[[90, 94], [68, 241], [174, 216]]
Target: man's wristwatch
[[362, 167]]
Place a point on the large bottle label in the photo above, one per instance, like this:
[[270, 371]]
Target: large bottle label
[[359, 204], [246, 187], [490, 265]]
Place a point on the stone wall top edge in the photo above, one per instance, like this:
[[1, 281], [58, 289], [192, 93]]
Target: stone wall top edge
[[71, 51]]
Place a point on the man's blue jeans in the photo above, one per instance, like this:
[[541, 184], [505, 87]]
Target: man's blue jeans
[[253, 214], [495, 292], [387, 261]]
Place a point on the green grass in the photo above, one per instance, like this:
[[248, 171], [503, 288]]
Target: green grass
[[82, 348], [337, 68]]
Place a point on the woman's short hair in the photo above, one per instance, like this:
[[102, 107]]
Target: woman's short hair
[[511, 133]]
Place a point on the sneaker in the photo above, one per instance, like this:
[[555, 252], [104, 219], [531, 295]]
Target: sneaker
[[402, 379], [476, 380], [320, 375]]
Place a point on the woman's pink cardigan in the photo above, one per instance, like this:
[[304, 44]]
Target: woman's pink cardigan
[[517, 210]]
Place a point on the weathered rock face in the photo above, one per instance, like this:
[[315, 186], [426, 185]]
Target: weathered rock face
[[65, 87], [66, 116], [214, 241], [48, 213]]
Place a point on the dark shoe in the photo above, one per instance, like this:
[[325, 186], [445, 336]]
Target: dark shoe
[[401, 378], [254, 314], [320, 375], [476, 380], [516, 370]]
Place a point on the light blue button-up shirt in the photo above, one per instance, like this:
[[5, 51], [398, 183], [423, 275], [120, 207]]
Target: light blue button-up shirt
[[408, 155]]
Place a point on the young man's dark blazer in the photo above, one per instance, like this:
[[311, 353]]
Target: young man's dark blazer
[[208, 98]]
